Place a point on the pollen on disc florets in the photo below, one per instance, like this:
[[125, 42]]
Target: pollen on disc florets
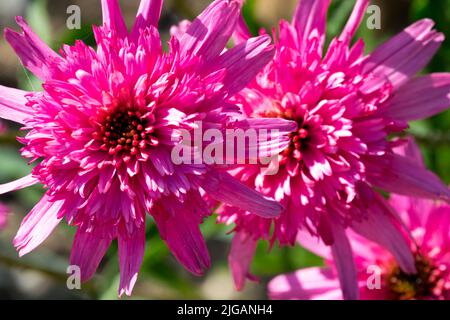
[[429, 281], [298, 138], [125, 130]]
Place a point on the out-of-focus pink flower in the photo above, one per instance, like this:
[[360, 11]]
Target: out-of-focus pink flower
[[347, 106], [2, 127], [105, 125], [379, 275], [4, 211]]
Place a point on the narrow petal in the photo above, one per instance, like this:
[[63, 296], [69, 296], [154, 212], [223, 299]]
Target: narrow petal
[[240, 258], [344, 262], [421, 98], [179, 30], [21, 183], [404, 55], [32, 51], [306, 284], [313, 244], [223, 187], [131, 252], [242, 33], [243, 62], [364, 251], [318, 165], [410, 150], [210, 31], [148, 15], [37, 225], [309, 20], [271, 139], [184, 239], [113, 18], [13, 105], [380, 226], [88, 250], [355, 20], [403, 176]]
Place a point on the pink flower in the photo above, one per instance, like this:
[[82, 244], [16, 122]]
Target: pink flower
[[429, 223], [104, 127], [346, 105], [3, 127], [4, 211]]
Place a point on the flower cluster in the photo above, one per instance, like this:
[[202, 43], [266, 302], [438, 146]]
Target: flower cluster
[[347, 106], [103, 128]]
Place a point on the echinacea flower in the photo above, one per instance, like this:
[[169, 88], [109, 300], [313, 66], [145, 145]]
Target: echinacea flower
[[347, 106], [4, 211], [379, 275], [103, 129]]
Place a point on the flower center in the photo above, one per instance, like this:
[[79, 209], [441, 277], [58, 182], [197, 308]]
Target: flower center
[[298, 138], [126, 131], [428, 283]]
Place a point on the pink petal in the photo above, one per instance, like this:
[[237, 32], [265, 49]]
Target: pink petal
[[355, 20], [37, 225], [412, 210], [317, 164], [379, 226], [242, 33], [131, 252], [32, 51], [310, 19], [88, 250], [269, 145], [240, 258], [437, 228], [210, 31], [113, 18], [306, 284], [21, 183], [421, 98], [223, 187], [313, 244], [404, 55], [13, 105], [148, 15], [411, 150], [244, 61], [345, 265], [4, 212], [403, 176], [184, 239], [179, 30], [363, 250]]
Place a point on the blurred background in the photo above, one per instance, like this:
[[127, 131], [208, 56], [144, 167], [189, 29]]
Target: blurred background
[[42, 274]]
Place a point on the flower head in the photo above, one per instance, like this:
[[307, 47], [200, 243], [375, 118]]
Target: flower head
[[103, 129], [347, 105], [429, 224]]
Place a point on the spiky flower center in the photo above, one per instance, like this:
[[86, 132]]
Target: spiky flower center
[[428, 283], [298, 138], [125, 131]]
